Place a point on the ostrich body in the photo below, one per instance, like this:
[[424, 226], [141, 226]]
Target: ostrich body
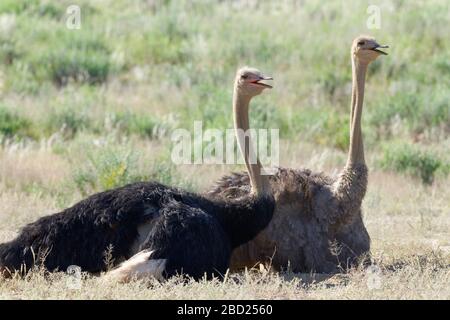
[[155, 230], [317, 224]]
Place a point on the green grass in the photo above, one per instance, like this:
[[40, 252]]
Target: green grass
[[189, 52]]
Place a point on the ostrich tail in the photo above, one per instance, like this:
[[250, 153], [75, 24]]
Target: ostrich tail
[[4, 270], [14, 258]]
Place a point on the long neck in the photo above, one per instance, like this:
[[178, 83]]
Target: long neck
[[350, 188], [356, 152], [259, 183]]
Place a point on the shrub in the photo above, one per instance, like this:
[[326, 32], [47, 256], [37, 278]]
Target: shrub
[[110, 168], [107, 169], [52, 10], [142, 125], [412, 160], [69, 121], [7, 51], [78, 66], [165, 172], [12, 124], [55, 9], [419, 111], [63, 56], [16, 6]]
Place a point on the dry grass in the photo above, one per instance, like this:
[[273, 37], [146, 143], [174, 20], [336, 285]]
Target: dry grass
[[409, 225], [414, 277], [22, 167]]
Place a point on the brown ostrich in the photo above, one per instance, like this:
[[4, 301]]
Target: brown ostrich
[[317, 224]]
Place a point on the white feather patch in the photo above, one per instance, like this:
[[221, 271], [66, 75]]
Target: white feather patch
[[139, 266]]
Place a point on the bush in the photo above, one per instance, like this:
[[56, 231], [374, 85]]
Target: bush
[[143, 125], [69, 121], [62, 56], [79, 59], [13, 125], [110, 168], [78, 66], [411, 160], [7, 51], [164, 171], [106, 169], [131, 123], [419, 111], [16, 6], [37, 7]]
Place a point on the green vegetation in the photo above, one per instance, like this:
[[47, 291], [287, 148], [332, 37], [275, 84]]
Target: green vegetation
[[110, 167], [165, 172], [106, 169], [69, 121], [412, 160], [145, 68], [13, 125]]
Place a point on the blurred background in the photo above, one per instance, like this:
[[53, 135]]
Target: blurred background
[[93, 108]]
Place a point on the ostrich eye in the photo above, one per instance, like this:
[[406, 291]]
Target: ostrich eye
[[244, 76], [361, 43]]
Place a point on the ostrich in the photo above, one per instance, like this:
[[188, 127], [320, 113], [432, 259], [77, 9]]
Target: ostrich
[[317, 224], [165, 230]]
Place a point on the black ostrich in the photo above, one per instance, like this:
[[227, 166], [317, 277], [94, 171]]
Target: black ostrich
[[156, 230]]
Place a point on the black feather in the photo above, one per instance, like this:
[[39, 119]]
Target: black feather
[[194, 234]]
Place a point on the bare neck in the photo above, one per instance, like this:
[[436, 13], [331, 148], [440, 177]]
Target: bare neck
[[356, 152], [259, 183]]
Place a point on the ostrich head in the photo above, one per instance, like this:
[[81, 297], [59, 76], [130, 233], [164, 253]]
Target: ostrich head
[[366, 49], [248, 84], [248, 81]]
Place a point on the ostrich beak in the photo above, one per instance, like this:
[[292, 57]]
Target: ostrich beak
[[263, 78], [380, 46], [266, 78]]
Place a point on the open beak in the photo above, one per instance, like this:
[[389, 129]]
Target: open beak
[[263, 78], [379, 51]]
